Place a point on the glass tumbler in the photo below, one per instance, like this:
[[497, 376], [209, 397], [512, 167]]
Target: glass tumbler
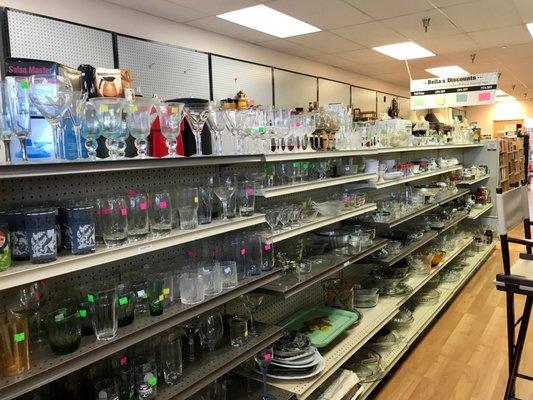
[[171, 358], [103, 310], [192, 286], [126, 382], [238, 331], [212, 278], [138, 226], [63, 327], [85, 319], [229, 274], [14, 344], [145, 378], [246, 198], [267, 251], [113, 215], [188, 207], [160, 212], [205, 204], [41, 233], [156, 298], [141, 297], [106, 389], [126, 305]]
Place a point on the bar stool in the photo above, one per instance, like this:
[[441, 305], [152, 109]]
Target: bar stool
[[517, 279]]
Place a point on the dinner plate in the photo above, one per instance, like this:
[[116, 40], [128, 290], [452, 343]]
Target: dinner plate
[[314, 360], [306, 354], [318, 369]]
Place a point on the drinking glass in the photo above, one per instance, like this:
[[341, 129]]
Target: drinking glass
[[6, 124], [252, 256], [138, 226], [90, 130], [103, 310], [197, 114], [267, 251], [19, 107], [168, 289], [187, 199], [224, 193], [106, 389], [29, 300], [191, 328], [140, 291], [84, 311], [14, 343], [205, 204], [113, 216], [263, 359], [192, 289], [217, 124], [126, 382], [145, 378], [238, 331], [160, 212], [52, 96], [235, 121], [246, 198], [171, 358], [126, 305], [211, 329], [139, 119], [212, 278], [252, 302], [109, 113], [170, 117], [156, 298], [229, 274], [77, 114], [63, 327]]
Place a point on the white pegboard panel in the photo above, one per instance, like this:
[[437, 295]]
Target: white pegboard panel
[[41, 38], [230, 76], [170, 72], [293, 90], [364, 99], [333, 92]]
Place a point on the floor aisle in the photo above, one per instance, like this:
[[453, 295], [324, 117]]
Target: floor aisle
[[464, 354]]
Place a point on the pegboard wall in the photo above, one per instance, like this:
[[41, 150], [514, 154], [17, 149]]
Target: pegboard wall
[[31, 36]]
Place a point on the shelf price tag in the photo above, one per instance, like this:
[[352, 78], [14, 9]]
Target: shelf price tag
[[123, 300], [90, 298], [82, 313], [19, 337]]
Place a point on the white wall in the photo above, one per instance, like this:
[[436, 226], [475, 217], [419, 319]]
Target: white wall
[[123, 20], [486, 115]]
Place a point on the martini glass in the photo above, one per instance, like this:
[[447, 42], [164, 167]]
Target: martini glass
[[217, 124], [197, 114], [252, 302], [170, 117], [77, 114], [19, 108], [6, 125], [52, 96], [109, 114], [224, 192], [139, 118], [90, 131]]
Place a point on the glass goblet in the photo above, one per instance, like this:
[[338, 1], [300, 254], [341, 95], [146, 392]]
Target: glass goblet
[[109, 114], [139, 118], [170, 117], [191, 328], [77, 114], [211, 329], [90, 131], [6, 125], [197, 114], [252, 302], [19, 107]]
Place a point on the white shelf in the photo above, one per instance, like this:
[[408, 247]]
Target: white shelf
[[321, 222], [304, 186], [428, 148], [395, 182], [478, 212], [317, 154], [25, 272], [472, 182]]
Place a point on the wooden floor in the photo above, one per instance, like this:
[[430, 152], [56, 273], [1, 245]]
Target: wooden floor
[[464, 355]]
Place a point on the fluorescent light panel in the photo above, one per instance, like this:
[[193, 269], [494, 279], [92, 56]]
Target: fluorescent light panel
[[530, 28], [267, 20], [404, 51], [449, 71]]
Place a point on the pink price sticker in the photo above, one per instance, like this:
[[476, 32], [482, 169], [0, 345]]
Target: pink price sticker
[[162, 204], [267, 246], [131, 192], [249, 191], [123, 360], [106, 211], [123, 212], [143, 206], [243, 252]]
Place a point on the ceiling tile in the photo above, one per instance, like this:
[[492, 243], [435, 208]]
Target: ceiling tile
[[371, 34], [285, 46], [388, 9], [322, 14], [161, 8], [214, 7], [483, 14], [525, 10], [448, 44], [218, 25], [363, 56], [446, 3], [387, 67], [411, 25], [502, 37], [331, 59], [326, 42], [398, 78]]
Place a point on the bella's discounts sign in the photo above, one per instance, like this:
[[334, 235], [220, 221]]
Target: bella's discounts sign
[[470, 90]]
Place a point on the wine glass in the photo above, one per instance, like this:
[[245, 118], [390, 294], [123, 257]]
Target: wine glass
[[217, 124], [170, 117], [263, 359], [109, 114], [139, 118], [309, 129], [19, 107], [281, 128], [90, 131], [77, 114], [235, 121], [6, 125], [224, 193], [211, 329], [52, 96], [197, 114], [252, 302], [191, 328]]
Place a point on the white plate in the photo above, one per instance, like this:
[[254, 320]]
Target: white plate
[[309, 352], [314, 360], [318, 369]]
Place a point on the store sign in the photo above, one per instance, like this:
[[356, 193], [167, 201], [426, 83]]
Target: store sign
[[470, 90]]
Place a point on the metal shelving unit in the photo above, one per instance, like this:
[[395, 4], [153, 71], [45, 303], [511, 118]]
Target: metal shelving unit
[[417, 177], [410, 248], [473, 182], [25, 272], [478, 212]]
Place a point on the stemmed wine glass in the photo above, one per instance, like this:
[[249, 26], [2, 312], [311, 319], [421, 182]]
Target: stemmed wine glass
[[19, 108], [77, 114], [90, 131], [252, 302], [109, 114], [263, 359], [281, 128], [170, 117], [191, 328], [197, 114], [211, 329], [217, 124], [6, 125], [309, 128], [235, 121], [139, 118], [52, 96]]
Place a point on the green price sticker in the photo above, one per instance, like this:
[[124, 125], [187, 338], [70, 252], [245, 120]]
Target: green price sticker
[[166, 291], [161, 297], [295, 164], [152, 381], [90, 298], [82, 313], [306, 165], [24, 84], [123, 300], [62, 311], [19, 337]]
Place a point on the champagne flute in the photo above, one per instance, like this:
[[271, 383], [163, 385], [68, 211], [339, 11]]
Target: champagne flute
[[217, 124], [6, 125], [77, 114], [19, 107], [263, 359]]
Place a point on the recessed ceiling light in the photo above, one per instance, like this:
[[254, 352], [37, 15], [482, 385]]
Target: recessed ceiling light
[[267, 20], [404, 51], [530, 28], [445, 72]]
